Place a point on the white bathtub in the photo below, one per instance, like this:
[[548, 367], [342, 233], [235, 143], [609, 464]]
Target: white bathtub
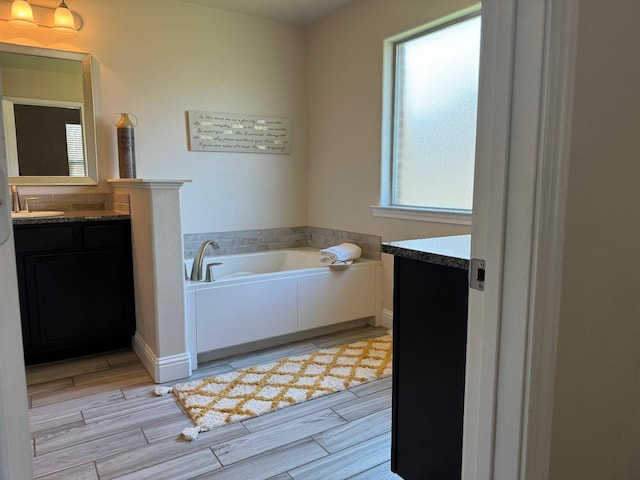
[[272, 294]]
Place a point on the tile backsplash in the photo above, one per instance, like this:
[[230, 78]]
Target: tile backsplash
[[231, 242], [74, 202], [245, 241], [119, 203]]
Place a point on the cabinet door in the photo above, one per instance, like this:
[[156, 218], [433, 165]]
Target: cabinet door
[[430, 330], [77, 303]]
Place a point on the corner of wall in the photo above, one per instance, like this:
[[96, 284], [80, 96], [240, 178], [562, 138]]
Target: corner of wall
[[162, 369]]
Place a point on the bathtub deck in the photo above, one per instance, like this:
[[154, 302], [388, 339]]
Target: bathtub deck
[[95, 418]]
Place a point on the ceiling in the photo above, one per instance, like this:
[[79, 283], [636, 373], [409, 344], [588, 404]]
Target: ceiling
[[296, 12]]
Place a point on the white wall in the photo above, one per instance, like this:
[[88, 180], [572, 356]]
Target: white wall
[[28, 81], [345, 108], [596, 419], [160, 59]]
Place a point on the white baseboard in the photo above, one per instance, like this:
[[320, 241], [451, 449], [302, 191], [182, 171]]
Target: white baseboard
[[386, 318], [162, 369]]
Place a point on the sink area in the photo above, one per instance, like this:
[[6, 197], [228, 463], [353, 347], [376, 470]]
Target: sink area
[[37, 214]]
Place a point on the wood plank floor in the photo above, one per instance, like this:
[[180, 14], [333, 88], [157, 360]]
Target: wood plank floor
[[98, 418]]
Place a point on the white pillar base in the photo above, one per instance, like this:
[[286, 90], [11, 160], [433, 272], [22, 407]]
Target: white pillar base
[[163, 369], [156, 233]]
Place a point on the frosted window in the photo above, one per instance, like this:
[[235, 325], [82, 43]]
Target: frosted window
[[436, 97]]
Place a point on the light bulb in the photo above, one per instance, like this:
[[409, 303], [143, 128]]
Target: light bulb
[[63, 20], [22, 15]]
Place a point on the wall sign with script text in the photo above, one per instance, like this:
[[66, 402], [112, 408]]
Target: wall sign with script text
[[229, 132]]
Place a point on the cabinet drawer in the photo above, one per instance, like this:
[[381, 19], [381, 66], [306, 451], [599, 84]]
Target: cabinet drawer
[[109, 235], [49, 238]]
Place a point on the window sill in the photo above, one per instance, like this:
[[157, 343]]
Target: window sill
[[423, 214]]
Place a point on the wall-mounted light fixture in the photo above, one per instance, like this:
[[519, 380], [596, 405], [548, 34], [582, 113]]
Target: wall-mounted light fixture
[[21, 13]]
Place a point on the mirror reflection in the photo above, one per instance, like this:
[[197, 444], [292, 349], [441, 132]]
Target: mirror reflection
[[47, 105]]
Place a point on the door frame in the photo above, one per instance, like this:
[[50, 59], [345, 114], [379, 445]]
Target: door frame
[[524, 126]]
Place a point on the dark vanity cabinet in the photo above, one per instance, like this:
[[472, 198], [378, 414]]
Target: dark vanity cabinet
[[429, 356], [75, 281]]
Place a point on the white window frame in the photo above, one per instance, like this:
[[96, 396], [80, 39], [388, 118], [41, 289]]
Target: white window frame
[[385, 207]]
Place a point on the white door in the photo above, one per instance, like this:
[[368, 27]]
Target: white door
[[527, 61]]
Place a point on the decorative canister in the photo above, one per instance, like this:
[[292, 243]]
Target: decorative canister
[[126, 144]]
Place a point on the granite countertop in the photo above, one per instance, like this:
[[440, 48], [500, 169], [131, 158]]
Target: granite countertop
[[453, 251], [74, 216]]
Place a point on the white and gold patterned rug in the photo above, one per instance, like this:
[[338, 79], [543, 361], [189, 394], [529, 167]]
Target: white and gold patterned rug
[[241, 394]]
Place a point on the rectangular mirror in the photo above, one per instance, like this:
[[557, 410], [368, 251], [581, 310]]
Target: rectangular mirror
[[48, 114]]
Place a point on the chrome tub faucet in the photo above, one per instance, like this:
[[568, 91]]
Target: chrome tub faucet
[[196, 269]]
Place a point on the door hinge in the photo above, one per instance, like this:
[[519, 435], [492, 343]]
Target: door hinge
[[476, 274]]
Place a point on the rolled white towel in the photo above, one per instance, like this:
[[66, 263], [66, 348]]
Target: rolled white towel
[[340, 253]]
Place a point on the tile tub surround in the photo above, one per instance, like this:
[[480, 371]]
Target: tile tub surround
[[76, 202], [326, 237], [247, 241]]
